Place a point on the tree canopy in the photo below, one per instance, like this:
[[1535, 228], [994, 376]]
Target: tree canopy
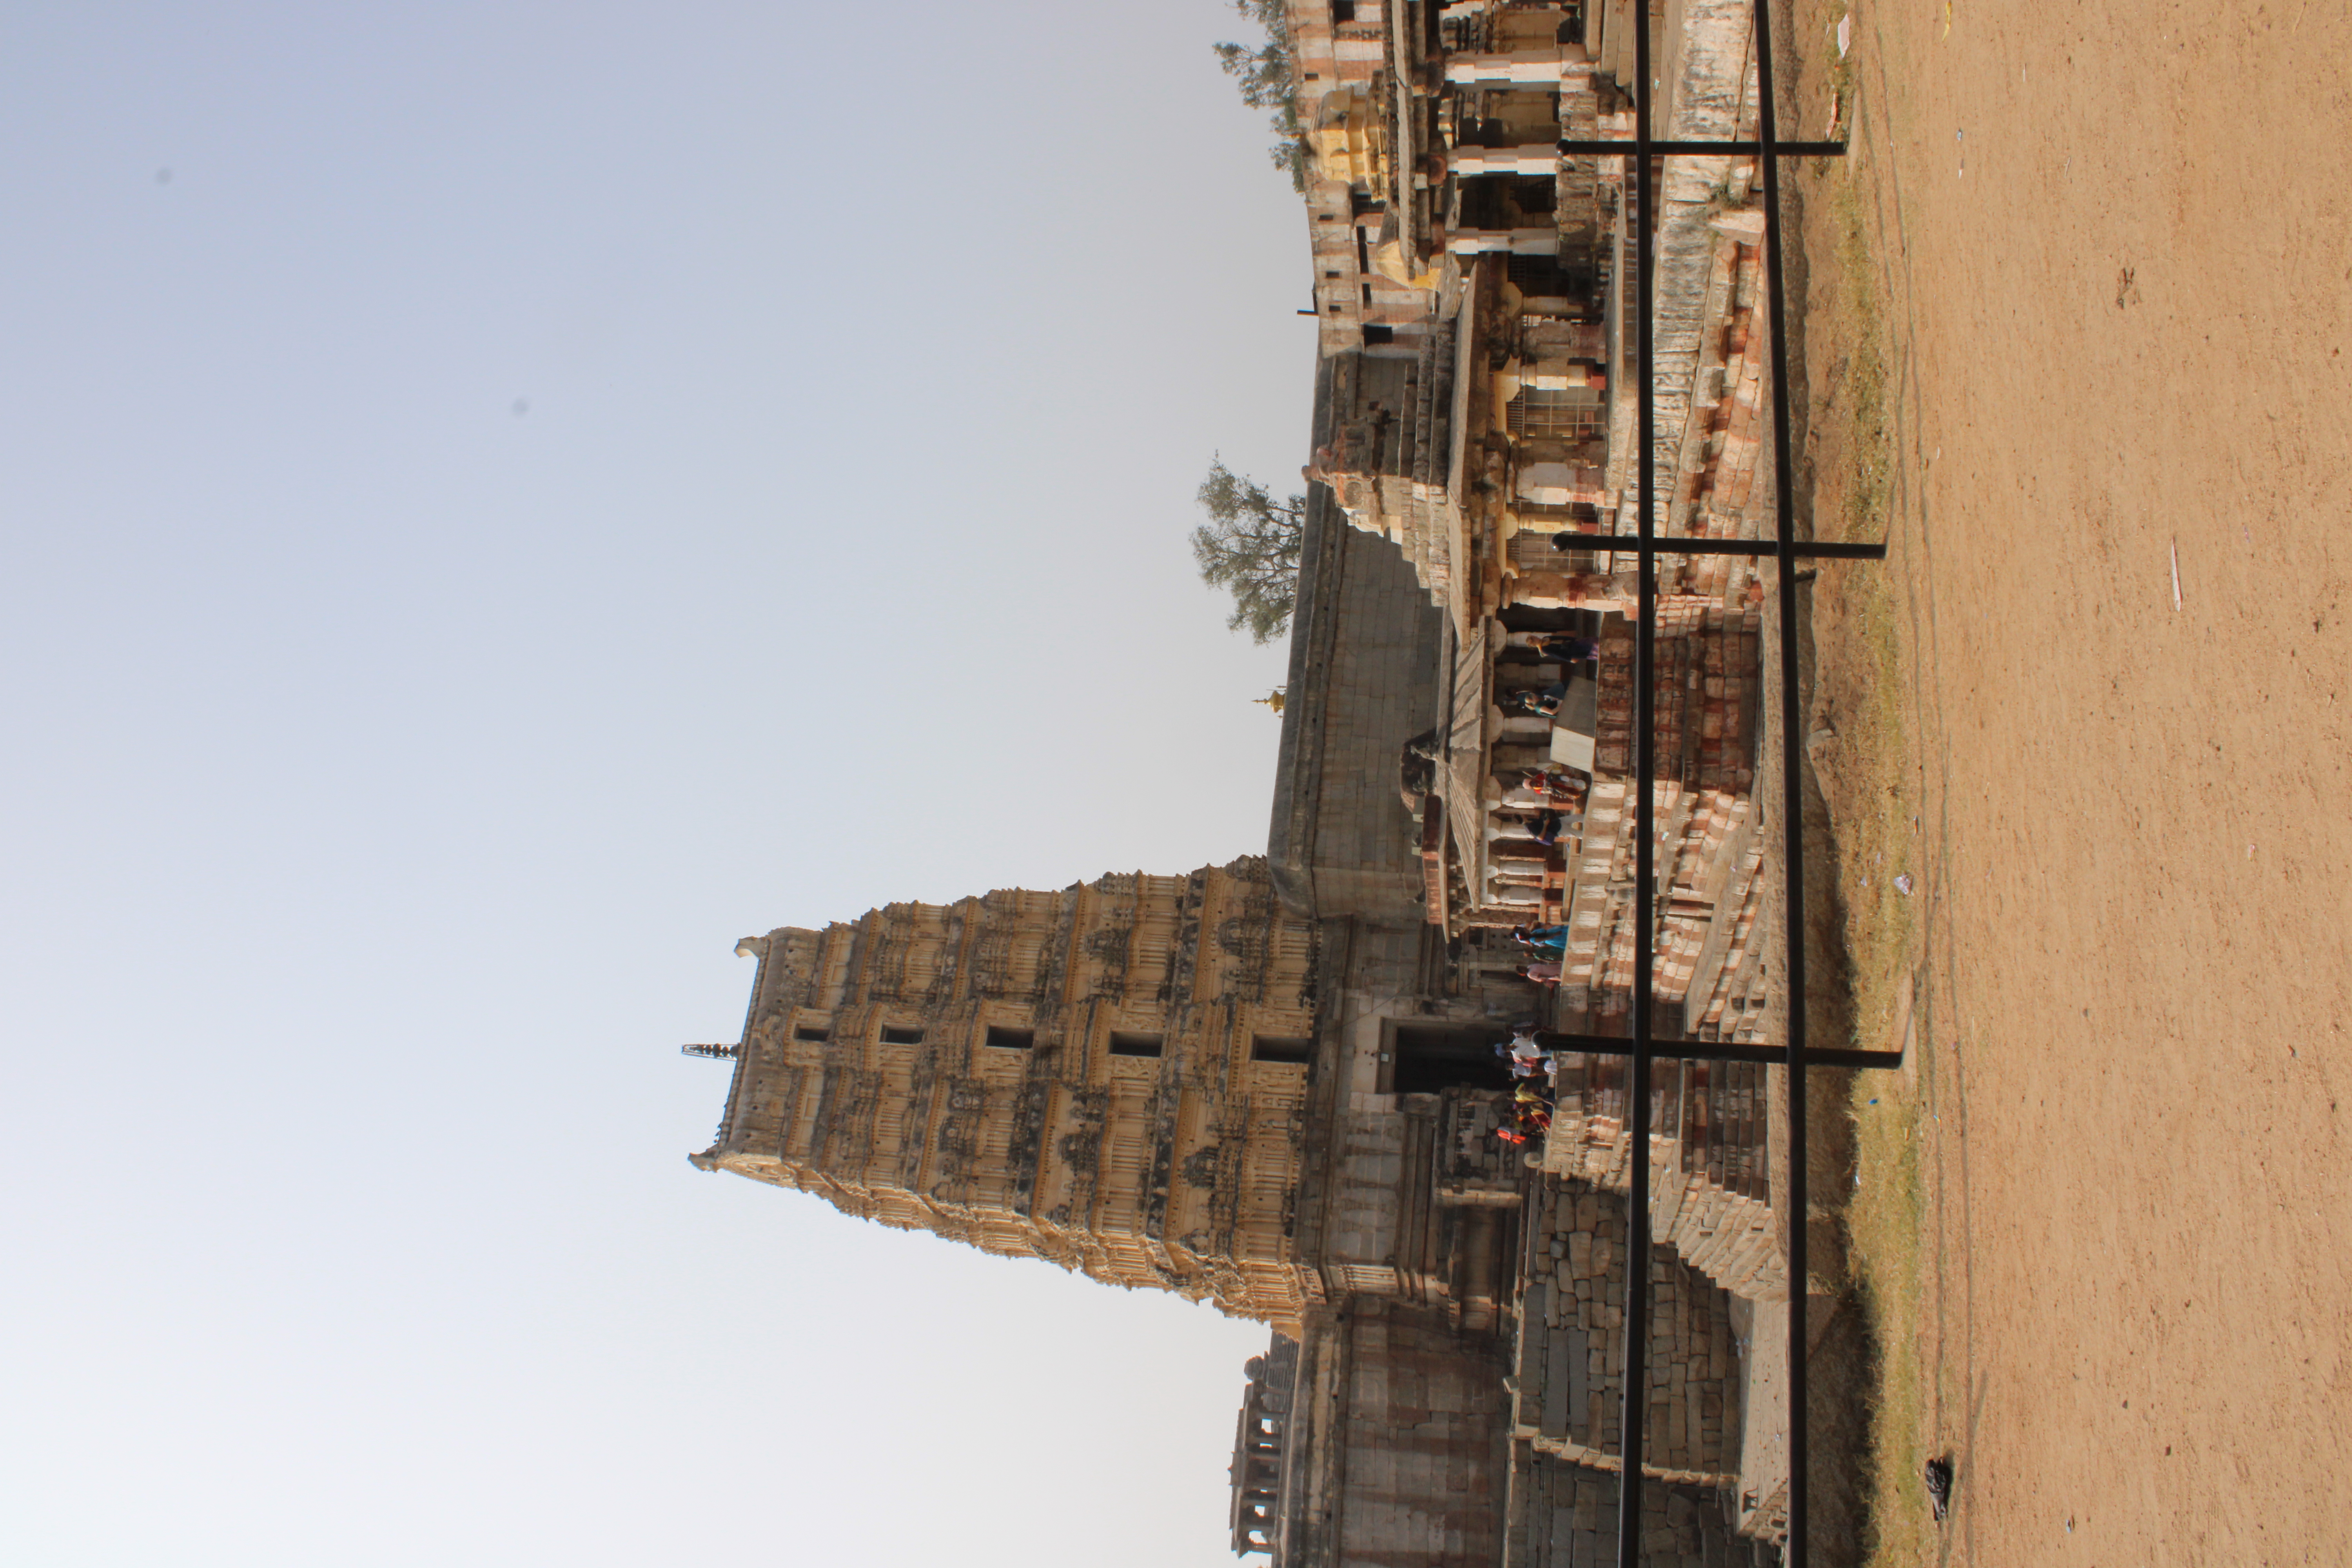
[[1250, 548], [1267, 82]]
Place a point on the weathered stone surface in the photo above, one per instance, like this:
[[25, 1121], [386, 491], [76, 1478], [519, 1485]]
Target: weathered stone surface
[[1111, 1077]]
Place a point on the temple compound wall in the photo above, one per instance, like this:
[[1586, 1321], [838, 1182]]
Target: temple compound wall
[[1710, 1177], [1391, 1447], [1570, 1388], [1363, 642]]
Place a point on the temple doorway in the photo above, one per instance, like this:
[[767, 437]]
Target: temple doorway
[[1428, 1059]]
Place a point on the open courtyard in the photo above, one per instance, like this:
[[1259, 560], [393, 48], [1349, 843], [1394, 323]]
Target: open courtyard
[[2076, 318]]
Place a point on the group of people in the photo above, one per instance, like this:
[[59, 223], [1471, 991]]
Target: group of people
[[1546, 701], [1532, 1068], [1543, 826], [1558, 805], [1557, 810], [1547, 948], [1571, 650], [1554, 784]]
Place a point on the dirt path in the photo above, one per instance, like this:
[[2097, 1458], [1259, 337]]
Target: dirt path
[[2114, 250]]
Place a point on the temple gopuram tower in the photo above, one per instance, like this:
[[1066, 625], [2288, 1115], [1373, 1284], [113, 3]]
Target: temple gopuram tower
[[1111, 1077]]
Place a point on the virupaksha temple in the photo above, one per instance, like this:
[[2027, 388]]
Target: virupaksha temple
[[1274, 1085]]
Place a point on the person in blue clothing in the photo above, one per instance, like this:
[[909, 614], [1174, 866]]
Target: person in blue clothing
[[1552, 938], [1543, 703]]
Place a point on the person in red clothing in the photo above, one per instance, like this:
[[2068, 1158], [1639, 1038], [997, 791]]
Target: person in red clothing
[[1558, 785]]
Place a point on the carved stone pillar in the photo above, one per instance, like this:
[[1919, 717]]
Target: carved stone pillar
[[1562, 484], [1573, 590], [1534, 69], [1504, 242], [1539, 159]]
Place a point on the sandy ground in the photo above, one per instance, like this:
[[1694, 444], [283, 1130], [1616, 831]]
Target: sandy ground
[[2115, 255]]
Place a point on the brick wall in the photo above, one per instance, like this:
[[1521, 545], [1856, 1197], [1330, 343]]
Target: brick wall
[[1706, 693], [1710, 849]]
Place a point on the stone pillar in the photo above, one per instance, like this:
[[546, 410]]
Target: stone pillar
[[1564, 376], [1547, 342], [1542, 67], [1537, 159], [1573, 590], [1504, 241], [1562, 484]]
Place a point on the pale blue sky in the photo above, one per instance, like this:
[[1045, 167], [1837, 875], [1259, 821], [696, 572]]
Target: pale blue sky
[[501, 500]]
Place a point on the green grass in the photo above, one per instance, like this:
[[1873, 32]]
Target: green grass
[[1874, 803], [1887, 1226]]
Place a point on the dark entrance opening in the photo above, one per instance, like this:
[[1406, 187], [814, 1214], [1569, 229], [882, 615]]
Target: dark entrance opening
[[1432, 1058]]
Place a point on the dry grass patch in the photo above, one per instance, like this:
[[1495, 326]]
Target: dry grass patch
[[1863, 753]]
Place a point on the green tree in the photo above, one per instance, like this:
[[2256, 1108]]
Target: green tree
[[1250, 547], [1267, 82]]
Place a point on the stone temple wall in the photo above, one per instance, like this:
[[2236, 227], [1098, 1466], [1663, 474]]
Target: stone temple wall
[[1423, 1447], [1568, 1387], [1565, 1516], [1402, 1442], [1363, 655], [1710, 1177], [1398, 1453], [1570, 1380], [1419, 1202], [1111, 1077]]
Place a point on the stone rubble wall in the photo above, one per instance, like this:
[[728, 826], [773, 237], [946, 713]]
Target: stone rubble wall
[[1710, 1197], [1563, 1515], [1568, 1388], [1571, 1368]]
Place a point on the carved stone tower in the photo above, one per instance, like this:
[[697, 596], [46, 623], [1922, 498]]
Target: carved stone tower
[[1112, 1077]]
